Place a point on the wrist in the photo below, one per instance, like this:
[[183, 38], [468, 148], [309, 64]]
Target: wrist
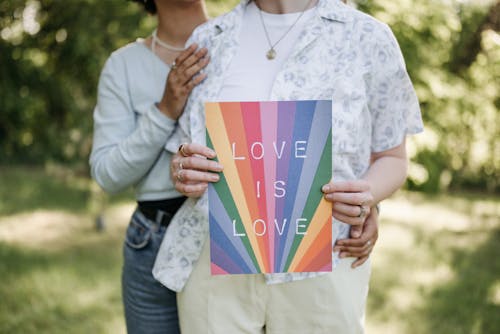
[[166, 111]]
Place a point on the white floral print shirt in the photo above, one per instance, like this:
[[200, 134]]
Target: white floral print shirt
[[343, 55]]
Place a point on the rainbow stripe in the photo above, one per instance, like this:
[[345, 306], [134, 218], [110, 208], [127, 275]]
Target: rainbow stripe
[[267, 213]]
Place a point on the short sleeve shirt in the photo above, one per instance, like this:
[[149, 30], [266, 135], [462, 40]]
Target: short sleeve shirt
[[342, 55]]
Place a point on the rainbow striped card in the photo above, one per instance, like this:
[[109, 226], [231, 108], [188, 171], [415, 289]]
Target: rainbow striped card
[[267, 213]]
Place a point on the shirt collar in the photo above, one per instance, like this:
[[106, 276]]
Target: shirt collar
[[333, 10]]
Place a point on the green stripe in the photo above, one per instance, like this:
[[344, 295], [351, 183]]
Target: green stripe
[[323, 176], [222, 189]]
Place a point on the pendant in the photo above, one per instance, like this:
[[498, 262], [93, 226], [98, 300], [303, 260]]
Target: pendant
[[271, 54]]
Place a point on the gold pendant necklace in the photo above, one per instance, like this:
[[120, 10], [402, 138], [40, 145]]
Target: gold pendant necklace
[[271, 53]]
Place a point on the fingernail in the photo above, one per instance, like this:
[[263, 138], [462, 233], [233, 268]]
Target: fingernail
[[214, 178], [325, 188]]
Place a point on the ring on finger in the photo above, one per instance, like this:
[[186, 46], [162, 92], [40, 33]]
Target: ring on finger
[[180, 177], [173, 66], [181, 150], [362, 211], [368, 243], [180, 166]]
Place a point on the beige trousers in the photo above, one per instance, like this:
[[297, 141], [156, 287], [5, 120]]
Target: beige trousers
[[245, 304]]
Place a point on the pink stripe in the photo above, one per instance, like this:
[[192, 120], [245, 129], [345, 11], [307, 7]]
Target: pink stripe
[[216, 270], [326, 268], [269, 120]]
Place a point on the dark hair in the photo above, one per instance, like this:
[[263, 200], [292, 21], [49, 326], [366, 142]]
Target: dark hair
[[149, 5]]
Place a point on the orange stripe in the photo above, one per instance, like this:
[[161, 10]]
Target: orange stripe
[[316, 257], [233, 119], [322, 215]]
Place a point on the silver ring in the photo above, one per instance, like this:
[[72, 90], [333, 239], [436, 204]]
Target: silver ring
[[180, 166], [362, 211], [173, 66], [180, 178], [369, 242]]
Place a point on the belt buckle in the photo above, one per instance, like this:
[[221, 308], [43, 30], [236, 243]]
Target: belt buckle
[[161, 216]]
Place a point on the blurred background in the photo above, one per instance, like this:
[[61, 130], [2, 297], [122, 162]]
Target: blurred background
[[436, 266]]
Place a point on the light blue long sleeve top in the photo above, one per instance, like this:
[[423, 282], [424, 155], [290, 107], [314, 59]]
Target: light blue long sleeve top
[[130, 133]]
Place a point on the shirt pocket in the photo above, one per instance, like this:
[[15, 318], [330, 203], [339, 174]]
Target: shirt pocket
[[138, 234]]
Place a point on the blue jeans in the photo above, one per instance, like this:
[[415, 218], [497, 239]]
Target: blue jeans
[[150, 307]]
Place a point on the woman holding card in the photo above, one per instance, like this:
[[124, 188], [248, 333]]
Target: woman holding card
[[292, 50]]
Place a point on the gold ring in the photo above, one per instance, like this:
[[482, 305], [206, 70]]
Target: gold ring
[[173, 66], [182, 152], [180, 178], [180, 166]]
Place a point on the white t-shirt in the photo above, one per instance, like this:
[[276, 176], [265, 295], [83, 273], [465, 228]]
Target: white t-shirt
[[251, 75]]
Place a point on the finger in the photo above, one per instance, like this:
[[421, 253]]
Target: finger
[[195, 68], [356, 231], [327, 188], [201, 164], [370, 233], [192, 59], [359, 261], [355, 250], [191, 175], [353, 242], [194, 148], [191, 189], [185, 54], [348, 209], [364, 198], [356, 253], [196, 80], [350, 186], [348, 219]]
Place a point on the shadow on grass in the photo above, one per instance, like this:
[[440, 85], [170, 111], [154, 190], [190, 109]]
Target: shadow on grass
[[464, 305], [74, 290]]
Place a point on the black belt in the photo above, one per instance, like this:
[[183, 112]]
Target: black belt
[[160, 211]]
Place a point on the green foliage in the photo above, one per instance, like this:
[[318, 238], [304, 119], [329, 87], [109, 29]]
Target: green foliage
[[453, 56], [52, 54], [52, 51]]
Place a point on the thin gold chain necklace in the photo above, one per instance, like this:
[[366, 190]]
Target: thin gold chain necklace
[[271, 53]]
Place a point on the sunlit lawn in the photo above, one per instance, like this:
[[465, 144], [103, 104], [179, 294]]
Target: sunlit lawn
[[435, 268]]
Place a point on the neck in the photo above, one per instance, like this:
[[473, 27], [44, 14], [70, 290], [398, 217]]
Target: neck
[[285, 6], [176, 21]]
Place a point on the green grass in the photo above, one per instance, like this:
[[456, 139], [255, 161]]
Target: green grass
[[74, 289], [25, 189], [435, 266]]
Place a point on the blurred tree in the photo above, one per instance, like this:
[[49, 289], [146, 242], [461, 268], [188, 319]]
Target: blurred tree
[[52, 51], [452, 50], [51, 56]]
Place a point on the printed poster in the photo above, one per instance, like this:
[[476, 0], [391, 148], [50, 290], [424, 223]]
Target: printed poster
[[267, 213]]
